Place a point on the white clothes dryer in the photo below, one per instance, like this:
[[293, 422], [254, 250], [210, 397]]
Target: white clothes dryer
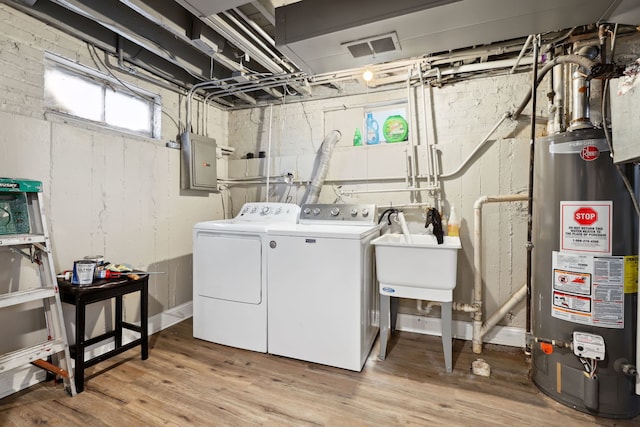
[[323, 299], [229, 275]]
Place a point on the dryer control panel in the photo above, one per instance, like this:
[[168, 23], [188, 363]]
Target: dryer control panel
[[361, 213], [268, 212]]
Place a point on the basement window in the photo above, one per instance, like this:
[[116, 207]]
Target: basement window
[[74, 90]]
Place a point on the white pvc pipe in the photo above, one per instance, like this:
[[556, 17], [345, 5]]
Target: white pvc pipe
[[412, 136], [524, 49], [386, 190], [269, 152], [405, 228], [513, 300], [477, 259], [427, 144]]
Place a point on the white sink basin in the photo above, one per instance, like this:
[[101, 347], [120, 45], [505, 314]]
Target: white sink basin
[[423, 263]]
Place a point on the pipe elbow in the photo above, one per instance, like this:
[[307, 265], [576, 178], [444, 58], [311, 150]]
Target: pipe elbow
[[481, 201]]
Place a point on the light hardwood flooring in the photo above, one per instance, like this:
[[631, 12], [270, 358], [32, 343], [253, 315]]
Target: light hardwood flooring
[[191, 382]]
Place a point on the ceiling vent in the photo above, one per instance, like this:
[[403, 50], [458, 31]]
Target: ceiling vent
[[312, 33], [373, 45]]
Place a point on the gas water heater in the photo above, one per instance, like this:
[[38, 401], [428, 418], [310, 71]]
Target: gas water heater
[[584, 276]]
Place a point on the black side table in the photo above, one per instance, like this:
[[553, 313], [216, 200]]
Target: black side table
[[101, 290]]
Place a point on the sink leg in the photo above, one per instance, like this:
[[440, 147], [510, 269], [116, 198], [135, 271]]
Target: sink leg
[[385, 308], [446, 319], [395, 302]]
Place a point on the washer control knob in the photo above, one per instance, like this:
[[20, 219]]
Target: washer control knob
[[335, 211], [254, 209], [354, 211], [278, 210], [365, 212], [265, 210], [316, 211], [245, 210], [306, 211]]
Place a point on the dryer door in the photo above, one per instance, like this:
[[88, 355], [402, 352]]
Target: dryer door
[[228, 266]]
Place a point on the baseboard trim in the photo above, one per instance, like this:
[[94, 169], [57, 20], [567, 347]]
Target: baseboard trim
[[28, 375], [502, 335]]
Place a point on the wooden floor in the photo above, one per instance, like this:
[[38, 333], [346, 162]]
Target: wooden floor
[[191, 382]]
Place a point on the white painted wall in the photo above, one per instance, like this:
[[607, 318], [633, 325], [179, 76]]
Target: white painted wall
[[456, 118], [106, 192], [119, 195]]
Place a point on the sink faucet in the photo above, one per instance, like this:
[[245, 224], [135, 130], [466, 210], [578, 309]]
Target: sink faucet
[[433, 218]]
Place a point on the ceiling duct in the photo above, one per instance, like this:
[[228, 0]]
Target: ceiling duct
[[373, 45], [314, 33]]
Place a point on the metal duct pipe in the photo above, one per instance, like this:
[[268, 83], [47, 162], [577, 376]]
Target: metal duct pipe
[[580, 91], [585, 63], [324, 157], [557, 121]]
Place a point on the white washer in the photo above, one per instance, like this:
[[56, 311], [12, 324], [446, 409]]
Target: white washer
[[323, 300], [229, 275]]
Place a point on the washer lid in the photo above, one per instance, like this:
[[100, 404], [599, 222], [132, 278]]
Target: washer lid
[[228, 225]]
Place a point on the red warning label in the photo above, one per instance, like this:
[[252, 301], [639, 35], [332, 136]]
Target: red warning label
[[586, 227]]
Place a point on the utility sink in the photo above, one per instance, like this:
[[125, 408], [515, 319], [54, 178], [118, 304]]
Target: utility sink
[[423, 263], [422, 270]]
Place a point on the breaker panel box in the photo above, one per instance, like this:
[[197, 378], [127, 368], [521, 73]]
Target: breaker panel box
[[199, 157]]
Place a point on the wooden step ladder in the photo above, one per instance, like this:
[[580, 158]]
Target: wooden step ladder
[[23, 229]]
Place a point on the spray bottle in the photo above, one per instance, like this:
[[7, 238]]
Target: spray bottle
[[453, 225]]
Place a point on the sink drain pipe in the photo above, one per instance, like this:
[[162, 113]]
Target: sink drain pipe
[[478, 329]]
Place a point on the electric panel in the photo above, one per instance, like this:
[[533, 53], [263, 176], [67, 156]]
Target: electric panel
[[199, 156]]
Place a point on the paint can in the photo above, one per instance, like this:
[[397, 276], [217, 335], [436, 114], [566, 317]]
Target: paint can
[[83, 271], [98, 259]]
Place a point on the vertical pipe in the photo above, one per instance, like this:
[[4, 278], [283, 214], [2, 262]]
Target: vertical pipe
[[477, 267], [268, 159], [412, 137], [534, 86], [559, 101], [429, 159]]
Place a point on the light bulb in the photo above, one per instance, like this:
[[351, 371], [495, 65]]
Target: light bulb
[[367, 75]]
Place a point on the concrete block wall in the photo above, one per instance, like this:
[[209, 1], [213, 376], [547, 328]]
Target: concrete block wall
[[456, 119], [106, 192]]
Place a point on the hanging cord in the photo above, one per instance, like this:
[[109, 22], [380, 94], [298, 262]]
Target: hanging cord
[[390, 212]]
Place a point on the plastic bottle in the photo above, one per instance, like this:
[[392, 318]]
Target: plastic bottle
[[453, 225], [357, 138], [373, 135]]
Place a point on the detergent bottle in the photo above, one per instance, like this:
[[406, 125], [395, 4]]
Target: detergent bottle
[[453, 225], [395, 129], [357, 137], [373, 135]]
